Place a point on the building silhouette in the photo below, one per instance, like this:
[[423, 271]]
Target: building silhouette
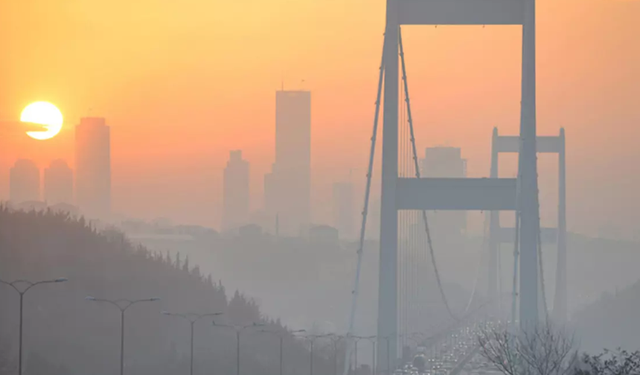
[[93, 167], [446, 162], [343, 209], [235, 192], [58, 183], [24, 182], [288, 186]]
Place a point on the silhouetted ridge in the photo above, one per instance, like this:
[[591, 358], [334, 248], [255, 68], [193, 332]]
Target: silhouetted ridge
[[63, 330]]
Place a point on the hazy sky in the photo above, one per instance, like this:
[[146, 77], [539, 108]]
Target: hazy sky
[[183, 82]]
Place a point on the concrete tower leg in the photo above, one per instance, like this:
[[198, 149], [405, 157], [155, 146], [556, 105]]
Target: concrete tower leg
[[494, 241], [528, 184], [388, 285], [560, 299]]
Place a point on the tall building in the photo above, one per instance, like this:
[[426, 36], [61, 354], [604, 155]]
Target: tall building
[[446, 162], [93, 167], [288, 187], [58, 183], [24, 182], [235, 192], [344, 209]]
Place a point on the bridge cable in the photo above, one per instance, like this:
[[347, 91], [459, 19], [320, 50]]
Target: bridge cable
[[540, 268], [499, 277], [417, 170], [516, 246], [356, 285], [485, 231]]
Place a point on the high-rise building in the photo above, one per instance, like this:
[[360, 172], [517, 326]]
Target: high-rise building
[[235, 192], [446, 162], [58, 183], [24, 182], [288, 190], [344, 209], [93, 167]]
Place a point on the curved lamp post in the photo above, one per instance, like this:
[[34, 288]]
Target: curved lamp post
[[192, 318], [281, 335], [312, 339], [22, 287], [238, 330], [372, 340], [123, 305], [335, 339]]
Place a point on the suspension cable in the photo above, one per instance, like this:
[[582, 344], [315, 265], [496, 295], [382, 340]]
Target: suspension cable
[[356, 284], [417, 170], [540, 268], [516, 253], [478, 267], [499, 277]]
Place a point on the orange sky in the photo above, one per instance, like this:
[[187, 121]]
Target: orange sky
[[183, 82]]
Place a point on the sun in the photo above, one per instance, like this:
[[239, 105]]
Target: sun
[[45, 114]]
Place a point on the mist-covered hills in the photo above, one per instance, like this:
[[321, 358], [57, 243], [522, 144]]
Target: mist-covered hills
[[63, 330], [611, 321]]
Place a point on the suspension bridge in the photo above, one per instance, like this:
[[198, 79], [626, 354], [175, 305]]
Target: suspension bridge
[[407, 260]]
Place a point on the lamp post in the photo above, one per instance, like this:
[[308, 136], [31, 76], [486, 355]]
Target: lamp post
[[312, 339], [192, 318], [387, 338], [238, 330], [123, 305], [281, 335], [22, 291], [372, 340], [335, 339]]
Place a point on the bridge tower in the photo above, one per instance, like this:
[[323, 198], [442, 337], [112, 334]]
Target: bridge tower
[[499, 235], [456, 194]]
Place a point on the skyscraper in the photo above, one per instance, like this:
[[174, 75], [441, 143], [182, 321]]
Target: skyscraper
[[58, 183], [446, 162], [24, 181], [290, 180], [235, 192], [93, 167], [343, 209]]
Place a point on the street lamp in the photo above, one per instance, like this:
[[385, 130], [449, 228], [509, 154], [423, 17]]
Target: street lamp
[[238, 330], [122, 305], [312, 339], [386, 338], [281, 335], [22, 291], [192, 318], [372, 340], [335, 339]]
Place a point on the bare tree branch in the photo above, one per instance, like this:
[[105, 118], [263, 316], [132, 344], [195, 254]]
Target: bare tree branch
[[541, 350]]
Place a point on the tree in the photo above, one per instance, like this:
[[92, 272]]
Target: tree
[[618, 362], [540, 350]]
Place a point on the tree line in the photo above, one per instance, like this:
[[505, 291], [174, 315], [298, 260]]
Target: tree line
[[64, 334]]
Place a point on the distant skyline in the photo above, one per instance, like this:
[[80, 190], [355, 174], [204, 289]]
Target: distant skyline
[[174, 123], [235, 194]]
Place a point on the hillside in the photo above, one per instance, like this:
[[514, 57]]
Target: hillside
[[611, 321], [63, 330]]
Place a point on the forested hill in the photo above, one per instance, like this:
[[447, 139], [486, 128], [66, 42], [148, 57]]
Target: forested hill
[[611, 321], [67, 334]]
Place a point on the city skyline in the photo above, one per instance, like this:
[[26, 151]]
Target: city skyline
[[455, 102], [93, 167]]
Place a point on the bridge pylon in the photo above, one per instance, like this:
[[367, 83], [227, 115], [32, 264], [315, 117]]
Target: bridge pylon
[[456, 194], [500, 235]]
